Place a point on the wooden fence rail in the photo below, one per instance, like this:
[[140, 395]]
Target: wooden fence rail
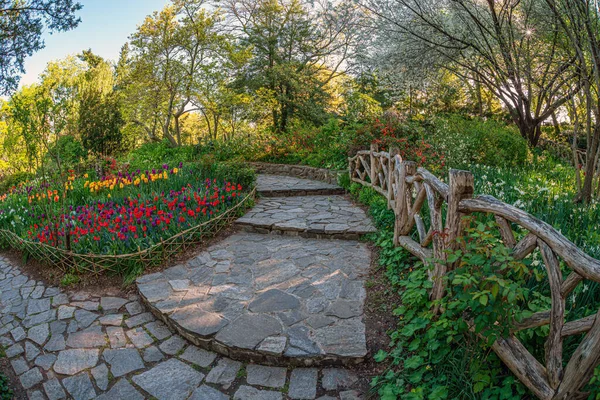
[[408, 189]]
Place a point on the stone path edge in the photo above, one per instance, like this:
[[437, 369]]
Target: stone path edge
[[309, 234], [252, 356], [292, 193]]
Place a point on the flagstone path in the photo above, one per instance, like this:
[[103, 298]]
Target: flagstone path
[[280, 185], [251, 307]]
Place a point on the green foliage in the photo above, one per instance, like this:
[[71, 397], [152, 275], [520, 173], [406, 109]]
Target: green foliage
[[148, 155], [68, 151], [439, 357], [241, 147], [466, 368], [6, 392], [324, 147], [465, 141], [14, 180], [21, 32], [100, 123], [69, 279]]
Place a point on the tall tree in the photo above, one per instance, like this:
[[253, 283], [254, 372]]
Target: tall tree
[[509, 46], [171, 51], [580, 21], [298, 47], [21, 26]]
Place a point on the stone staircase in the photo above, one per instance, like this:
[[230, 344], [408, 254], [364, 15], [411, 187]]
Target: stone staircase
[[292, 298]]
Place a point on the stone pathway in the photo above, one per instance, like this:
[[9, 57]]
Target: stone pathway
[[232, 322], [279, 185], [308, 216], [272, 299], [74, 345]]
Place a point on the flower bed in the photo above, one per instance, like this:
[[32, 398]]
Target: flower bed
[[122, 222]]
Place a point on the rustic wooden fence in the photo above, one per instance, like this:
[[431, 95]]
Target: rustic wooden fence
[[409, 188]]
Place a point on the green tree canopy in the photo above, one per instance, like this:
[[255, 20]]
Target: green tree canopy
[[21, 26]]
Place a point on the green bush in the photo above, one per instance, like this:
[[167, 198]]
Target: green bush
[[236, 171], [14, 180], [438, 357], [68, 150], [149, 155], [241, 147], [466, 141], [324, 147], [6, 392]]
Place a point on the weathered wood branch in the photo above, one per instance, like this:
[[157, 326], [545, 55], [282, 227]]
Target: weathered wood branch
[[529, 370], [583, 264], [554, 343], [525, 246], [506, 232]]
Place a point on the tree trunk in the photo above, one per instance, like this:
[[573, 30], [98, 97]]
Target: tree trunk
[[591, 162], [177, 130], [531, 131]]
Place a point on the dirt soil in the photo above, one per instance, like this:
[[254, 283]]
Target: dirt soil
[[379, 320]]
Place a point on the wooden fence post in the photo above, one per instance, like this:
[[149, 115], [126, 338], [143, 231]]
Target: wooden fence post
[[400, 207], [373, 173], [392, 177], [461, 186]]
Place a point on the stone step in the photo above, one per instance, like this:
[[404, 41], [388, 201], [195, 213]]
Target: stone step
[[279, 185], [308, 216], [268, 299]]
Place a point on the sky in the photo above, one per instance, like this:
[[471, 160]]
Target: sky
[[105, 26]]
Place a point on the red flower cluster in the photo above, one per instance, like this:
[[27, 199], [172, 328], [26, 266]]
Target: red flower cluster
[[136, 222]]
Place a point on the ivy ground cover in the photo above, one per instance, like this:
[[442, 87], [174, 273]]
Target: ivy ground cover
[[119, 213]]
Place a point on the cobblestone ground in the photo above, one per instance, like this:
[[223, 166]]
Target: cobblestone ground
[[80, 346]]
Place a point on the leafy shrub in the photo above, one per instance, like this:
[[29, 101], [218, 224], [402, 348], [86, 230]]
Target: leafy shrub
[[244, 147], [408, 137], [236, 171], [474, 141], [6, 392], [488, 289], [149, 155], [324, 147], [438, 357], [68, 150], [14, 180]]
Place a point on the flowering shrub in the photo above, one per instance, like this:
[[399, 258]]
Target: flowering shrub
[[116, 214], [124, 227], [410, 139]]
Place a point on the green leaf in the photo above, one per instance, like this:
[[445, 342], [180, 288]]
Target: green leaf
[[413, 362], [483, 299], [439, 393], [380, 356]]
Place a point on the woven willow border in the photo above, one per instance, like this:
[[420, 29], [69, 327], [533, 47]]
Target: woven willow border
[[117, 263]]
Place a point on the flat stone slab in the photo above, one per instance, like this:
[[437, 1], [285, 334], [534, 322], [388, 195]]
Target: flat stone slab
[[280, 185], [171, 379], [273, 299], [308, 216]]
